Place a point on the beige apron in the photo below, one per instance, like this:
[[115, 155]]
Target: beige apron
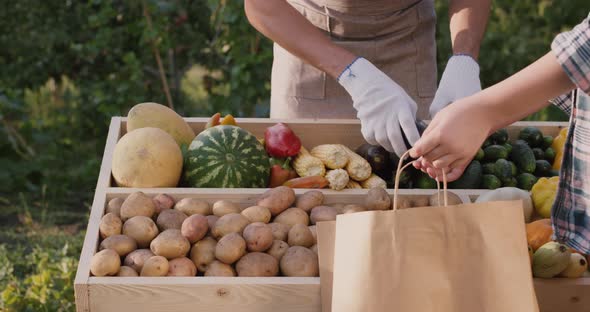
[[395, 35]]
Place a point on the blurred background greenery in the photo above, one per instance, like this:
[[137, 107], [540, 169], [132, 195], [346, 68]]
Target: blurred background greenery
[[66, 67]]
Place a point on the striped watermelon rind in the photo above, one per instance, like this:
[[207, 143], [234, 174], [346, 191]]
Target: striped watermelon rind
[[226, 157]]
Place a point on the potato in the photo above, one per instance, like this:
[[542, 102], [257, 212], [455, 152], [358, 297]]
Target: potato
[[277, 199], [299, 261], [155, 266], [170, 219], [309, 200], [258, 236], [137, 204], [194, 228], [105, 262], [181, 267], [339, 207], [218, 268], [170, 244], [352, 208], [122, 244], [127, 272], [292, 216], [257, 214], [314, 248], [110, 225], [137, 258], [142, 229], [191, 206], [114, 206], [279, 231], [211, 220], [230, 248], [163, 202], [278, 249], [257, 264], [403, 203], [300, 235], [322, 213], [452, 199], [223, 207], [203, 253], [378, 199], [230, 223], [314, 233]]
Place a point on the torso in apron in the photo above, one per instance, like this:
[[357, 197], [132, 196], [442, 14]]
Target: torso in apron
[[395, 35]]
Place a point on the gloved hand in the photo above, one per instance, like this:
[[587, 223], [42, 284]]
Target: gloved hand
[[382, 105], [460, 79]]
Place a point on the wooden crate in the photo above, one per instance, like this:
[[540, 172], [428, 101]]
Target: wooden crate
[[242, 294]]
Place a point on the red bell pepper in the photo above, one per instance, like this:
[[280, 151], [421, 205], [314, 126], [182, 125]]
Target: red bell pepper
[[280, 141]]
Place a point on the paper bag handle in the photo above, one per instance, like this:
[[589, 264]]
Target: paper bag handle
[[398, 173]]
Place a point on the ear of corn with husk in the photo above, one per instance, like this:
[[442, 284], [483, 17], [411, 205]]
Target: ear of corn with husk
[[373, 181], [352, 184], [358, 168], [306, 165], [338, 179], [332, 155]]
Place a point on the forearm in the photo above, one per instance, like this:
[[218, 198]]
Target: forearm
[[468, 20], [281, 23], [525, 92]]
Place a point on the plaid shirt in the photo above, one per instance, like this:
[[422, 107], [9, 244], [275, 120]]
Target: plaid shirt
[[571, 210]]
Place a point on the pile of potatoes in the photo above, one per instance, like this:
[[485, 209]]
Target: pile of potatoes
[[144, 236]]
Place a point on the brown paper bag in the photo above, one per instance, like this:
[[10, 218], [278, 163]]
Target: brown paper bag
[[469, 257]]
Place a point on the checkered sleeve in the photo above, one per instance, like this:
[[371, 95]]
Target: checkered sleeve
[[564, 102], [572, 49]]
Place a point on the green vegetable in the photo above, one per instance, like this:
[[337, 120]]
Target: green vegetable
[[494, 152], [490, 181], [526, 181], [471, 178], [489, 168], [513, 168], [554, 173], [502, 169], [511, 182], [480, 155], [547, 141], [499, 137], [508, 147], [424, 181], [532, 135], [543, 168], [539, 153], [523, 156], [486, 143], [549, 154], [226, 157]]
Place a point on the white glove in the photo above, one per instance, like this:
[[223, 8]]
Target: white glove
[[382, 106], [460, 79]]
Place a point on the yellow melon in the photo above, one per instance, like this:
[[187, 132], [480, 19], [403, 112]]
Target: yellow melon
[[159, 116], [147, 157]]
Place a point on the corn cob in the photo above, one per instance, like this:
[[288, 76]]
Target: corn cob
[[374, 181], [338, 179], [352, 184], [306, 165], [332, 155], [358, 168]]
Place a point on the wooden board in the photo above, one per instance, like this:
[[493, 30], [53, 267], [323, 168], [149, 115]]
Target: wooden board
[[256, 294]]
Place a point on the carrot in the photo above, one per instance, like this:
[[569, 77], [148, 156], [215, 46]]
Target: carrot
[[308, 182]]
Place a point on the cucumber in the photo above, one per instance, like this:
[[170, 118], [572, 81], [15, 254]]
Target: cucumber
[[547, 141], [424, 181], [495, 152], [499, 137], [542, 168], [532, 135], [486, 143], [471, 178], [514, 169], [539, 153], [508, 147], [480, 155], [526, 181], [490, 181], [510, 182], [503, 169], [489, 168], [523, 156], [550, 155]]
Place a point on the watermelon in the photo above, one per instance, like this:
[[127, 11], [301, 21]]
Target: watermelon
[[226, 157]]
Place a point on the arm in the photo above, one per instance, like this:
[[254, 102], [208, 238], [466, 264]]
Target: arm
[[468, 21], [281, 23]]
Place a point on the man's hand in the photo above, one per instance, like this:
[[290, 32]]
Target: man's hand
[[460, 79], [383, 107]]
